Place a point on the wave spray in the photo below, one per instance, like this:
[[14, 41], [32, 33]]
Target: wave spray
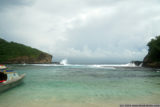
[[64, 62]]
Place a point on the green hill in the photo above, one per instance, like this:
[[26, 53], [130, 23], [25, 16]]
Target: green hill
[[11, 52], [152, 59]]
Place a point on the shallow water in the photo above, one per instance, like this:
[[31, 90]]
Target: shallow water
[[83, 86]]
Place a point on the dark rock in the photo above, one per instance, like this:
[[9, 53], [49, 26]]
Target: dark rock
[[137, 63], [56, 63], [151, 64]]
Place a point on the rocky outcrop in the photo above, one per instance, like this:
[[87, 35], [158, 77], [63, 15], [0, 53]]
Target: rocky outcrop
[[137, 63], [16, 53], [56, 63], [152, 59], [43, 58], [148, 62]]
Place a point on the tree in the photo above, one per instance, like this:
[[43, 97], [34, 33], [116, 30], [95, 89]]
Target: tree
[[154, 49]]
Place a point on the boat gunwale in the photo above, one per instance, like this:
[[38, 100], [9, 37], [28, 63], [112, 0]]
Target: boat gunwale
[[13, 80]]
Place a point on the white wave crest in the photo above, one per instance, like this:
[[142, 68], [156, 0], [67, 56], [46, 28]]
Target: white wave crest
[[64, 62], [102, 66], [115, 65]]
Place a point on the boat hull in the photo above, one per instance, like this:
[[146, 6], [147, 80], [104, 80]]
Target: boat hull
[[11, 83]]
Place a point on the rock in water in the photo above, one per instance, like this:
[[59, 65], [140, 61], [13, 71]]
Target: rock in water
[[137, 63]]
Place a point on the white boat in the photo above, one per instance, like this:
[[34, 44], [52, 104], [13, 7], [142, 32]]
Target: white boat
[[9, 78]]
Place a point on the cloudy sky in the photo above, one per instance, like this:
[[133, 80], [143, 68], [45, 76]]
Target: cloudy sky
[[82, 31]]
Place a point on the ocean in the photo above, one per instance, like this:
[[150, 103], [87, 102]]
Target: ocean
[[69, 85]]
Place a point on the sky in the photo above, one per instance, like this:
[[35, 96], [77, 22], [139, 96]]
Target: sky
[[83, 31]]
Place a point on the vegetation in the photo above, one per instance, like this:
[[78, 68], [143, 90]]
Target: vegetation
[[154, 49], [11, 50]]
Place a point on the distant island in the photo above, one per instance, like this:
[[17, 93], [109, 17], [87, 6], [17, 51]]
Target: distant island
[[15, 53], [152, 59]]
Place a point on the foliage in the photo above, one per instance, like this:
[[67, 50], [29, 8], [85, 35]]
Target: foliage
[[10, 50], [154, 49]]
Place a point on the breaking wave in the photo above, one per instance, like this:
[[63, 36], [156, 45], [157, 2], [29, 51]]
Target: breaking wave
[[114, 65], [64, 62]]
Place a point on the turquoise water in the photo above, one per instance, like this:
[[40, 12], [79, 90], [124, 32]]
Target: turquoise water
[[83, 85]]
